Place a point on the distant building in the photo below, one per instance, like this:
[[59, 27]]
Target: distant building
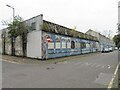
[[0, 42], [103, 41]]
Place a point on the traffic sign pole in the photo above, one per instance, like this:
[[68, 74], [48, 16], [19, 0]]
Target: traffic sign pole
[[47, 41]]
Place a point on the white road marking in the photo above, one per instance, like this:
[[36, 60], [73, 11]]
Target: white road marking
[[10, 61], [109, 66], [87, 64], [98, 65], [93, 64], [103, 66], [78, 63]]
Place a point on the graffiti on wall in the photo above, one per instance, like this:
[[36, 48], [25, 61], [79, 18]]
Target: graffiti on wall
[[61, 45], [57, 40]]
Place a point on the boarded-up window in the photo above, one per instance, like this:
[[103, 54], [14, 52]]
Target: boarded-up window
[[33, 26], [87, 45], [83, 45], [77, 44], [63, 42], [94, 45], [51, 43], [57, 41], [68, 43], [57, 45]]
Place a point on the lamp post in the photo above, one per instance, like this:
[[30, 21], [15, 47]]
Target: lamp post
[[118, 29], [12, 38], [13, 11], [3, 38]]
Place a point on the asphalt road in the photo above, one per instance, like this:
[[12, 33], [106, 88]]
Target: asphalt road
[[91, 71]]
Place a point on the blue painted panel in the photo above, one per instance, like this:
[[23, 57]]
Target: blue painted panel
[[60, 52], [63, 50], [57, 55], [50, 50]]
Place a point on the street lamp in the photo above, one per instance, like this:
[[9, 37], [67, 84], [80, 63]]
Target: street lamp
[[118, 29], [12, 38], [13, 11]]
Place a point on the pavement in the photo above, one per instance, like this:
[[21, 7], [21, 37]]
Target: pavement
[[25, 60], [93, 70]]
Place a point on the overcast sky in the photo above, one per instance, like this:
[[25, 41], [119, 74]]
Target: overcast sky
[[99, 15]]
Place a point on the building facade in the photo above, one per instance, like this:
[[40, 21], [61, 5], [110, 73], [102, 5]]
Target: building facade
[[49, 40], [104, 42]]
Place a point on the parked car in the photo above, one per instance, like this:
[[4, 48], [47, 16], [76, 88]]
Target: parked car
[[116, 48], [105, 50], [110, 49]]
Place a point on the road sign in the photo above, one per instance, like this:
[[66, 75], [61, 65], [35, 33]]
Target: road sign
[[48, 38]]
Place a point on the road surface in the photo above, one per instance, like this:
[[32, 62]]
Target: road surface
[[91, 71]]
